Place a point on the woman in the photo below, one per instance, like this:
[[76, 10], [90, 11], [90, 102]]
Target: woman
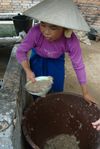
[[50, 40]]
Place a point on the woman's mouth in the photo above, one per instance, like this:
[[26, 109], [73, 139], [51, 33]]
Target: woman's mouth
[[48, 38]]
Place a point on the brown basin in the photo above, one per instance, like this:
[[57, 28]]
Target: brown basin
[[61, 113]]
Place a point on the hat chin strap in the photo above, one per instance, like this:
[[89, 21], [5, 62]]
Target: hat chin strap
[[68, 33]]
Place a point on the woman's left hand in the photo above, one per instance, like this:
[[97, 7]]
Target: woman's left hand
[[89, 98], [87, 95]]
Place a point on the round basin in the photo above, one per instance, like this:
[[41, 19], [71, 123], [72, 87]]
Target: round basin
[[61, 113]]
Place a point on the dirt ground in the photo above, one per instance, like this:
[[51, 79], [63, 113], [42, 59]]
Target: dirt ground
[[91, 57]]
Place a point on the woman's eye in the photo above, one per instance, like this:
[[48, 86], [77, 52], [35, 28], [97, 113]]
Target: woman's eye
[[42, 25], [54, 28]]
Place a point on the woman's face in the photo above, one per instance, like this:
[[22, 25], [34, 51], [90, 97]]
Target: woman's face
[[51, 32]]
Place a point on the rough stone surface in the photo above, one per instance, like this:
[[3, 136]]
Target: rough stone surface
[[12, 102]]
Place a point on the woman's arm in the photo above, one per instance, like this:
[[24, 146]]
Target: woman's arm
[[75, 54], [22, 52], [29, 74], [27, 44]]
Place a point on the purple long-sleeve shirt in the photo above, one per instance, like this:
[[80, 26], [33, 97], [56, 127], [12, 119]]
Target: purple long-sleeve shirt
[[54, 49]]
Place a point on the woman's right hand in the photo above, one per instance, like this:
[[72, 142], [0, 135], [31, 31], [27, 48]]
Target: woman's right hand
[[96, 124], [30, 76]]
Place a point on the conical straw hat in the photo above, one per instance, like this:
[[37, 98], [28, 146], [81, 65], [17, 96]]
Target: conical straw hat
[[58, 12]]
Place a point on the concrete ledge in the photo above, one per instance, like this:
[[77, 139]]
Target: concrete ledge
[[12, 103], [8, 16]]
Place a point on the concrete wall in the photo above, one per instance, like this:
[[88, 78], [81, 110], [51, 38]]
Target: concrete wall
[[89, 8], [13, 100]]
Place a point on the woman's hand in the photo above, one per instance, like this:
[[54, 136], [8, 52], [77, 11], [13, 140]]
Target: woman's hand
[[89, 98], [30, 76], [96, 124], [87, 95]]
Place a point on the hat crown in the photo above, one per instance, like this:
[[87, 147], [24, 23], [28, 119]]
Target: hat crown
[[59, 12]]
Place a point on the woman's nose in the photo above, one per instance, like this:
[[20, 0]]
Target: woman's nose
[[47, 31]]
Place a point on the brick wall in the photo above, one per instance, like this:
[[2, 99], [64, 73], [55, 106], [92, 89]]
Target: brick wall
[[89, 8], [8, 6]]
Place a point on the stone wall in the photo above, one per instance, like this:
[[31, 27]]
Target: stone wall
[[8, 6], [13, 100], [89, 8]]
